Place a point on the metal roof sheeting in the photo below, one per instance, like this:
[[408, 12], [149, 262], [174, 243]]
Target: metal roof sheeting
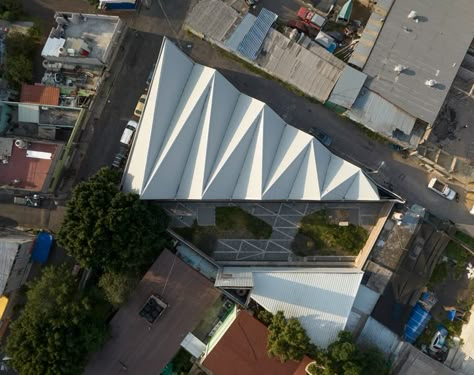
[[239, 33], [315, 71], [252, 43], [234, 277], [8, 250], [320, 298], [378, 114], [367, 41], [431, 48], [347, 87], [52, 46], [376, 334], [212, 18], [200, 138]]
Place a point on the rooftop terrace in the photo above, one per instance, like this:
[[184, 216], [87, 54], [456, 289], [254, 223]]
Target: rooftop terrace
[[25, 168]]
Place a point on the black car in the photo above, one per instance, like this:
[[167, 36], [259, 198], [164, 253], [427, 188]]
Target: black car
[[325, 139]]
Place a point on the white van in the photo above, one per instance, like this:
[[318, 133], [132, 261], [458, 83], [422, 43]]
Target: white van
[[127, 134]]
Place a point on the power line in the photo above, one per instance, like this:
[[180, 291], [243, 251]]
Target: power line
[[170, 24]]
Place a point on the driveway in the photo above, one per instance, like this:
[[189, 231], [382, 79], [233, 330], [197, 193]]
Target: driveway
[[403, 176]]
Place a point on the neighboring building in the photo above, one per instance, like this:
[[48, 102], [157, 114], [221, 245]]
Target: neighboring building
[[411, 63], [138, 346], [82, 39], [39, 94], [200, 138], [15, 254], [320, 298], [240, 347], [33, 137]]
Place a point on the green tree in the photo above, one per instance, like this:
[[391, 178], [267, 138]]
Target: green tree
[[109, 230], [345, 358], [287, 339], [11, 10], [56, 329], [18, 69], [19, 44], [117, 287]]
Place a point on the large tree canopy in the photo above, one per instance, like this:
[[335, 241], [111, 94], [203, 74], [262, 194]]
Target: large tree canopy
[[56, 329], [343, 357], [287, 339], [109, 230]]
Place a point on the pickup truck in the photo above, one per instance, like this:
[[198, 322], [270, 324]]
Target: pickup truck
[[311, 18], [441, 188]]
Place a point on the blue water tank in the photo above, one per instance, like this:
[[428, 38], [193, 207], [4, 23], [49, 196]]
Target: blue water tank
[[418, 321]]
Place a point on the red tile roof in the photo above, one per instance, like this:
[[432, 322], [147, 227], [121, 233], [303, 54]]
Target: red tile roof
[[39, 94], [243, 350]]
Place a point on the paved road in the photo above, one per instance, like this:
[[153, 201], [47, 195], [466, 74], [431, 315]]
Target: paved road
[[406, 178]]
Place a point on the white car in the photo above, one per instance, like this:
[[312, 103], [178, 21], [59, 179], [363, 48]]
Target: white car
[[128, 132], [441, 188]]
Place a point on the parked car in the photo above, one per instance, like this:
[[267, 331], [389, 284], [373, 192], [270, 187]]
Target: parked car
[[441, 188], [311, 18], [119, 160], [150, 76], [325, 139], [128, 132], [140, 105]]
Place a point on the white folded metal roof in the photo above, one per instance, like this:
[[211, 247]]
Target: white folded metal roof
[[200, 138], [320, 298]]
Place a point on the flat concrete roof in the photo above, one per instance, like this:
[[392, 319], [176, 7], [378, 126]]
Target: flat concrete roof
[[431, 48], [29, 170], [143, 348]]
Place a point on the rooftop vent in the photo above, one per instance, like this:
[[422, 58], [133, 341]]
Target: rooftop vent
[[431, 83], [412, 15], [152, 309], [399, 68]]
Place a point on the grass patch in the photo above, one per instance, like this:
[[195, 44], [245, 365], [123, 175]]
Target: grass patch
[[234, 218], [439, 275], [231, 222], [468, 240], [459, 256], [317, 235]]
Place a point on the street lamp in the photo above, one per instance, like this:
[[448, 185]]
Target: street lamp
[[382, 163]]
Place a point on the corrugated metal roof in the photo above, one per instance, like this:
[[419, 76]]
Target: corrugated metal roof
[[212, 18], [320, 298], [366, 300], [251, 45], [315, 71], [39, 94], [432, 48], [378, 114], [347, 87], [200, 138], [239, 33], [234, 277], [367, 41], [376, 334], [8, 251], [28, 113], [3, 305]]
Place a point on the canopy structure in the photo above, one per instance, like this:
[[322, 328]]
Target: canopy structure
[[199, 138]]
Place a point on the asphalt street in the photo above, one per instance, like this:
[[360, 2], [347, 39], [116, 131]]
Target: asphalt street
[[404, 177]]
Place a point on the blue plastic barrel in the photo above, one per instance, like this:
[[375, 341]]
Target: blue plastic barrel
[[418, 321]]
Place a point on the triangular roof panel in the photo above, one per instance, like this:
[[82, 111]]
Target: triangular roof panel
[[200, 138]]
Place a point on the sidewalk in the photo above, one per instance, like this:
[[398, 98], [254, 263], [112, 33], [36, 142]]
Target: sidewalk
[[40, 218]]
